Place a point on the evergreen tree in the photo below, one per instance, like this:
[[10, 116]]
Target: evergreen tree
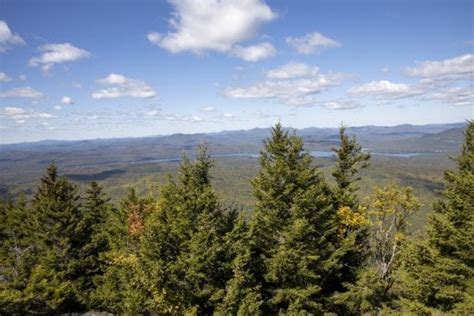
[[120, 289], [91, 242], [56, 212], [183, 244], [350, 159], [285, 255], [439, 273], [17, 255]]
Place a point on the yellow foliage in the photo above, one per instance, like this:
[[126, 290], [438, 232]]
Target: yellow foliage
[[351, 220]]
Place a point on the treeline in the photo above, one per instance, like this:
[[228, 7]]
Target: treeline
[[307, 247]]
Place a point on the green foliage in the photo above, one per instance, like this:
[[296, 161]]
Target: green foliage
[[183, 249], [306, 248], [285, 256], [386, 212], [350, 160], [439, 272]]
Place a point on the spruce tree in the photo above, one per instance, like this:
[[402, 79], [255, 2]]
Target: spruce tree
[[183, 248], [91, 242], [282, 263], [350, 159], [56, 212], [17, 255], [439, 273], [120, 289]]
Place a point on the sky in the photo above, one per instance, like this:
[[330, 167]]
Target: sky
[[83, 69]]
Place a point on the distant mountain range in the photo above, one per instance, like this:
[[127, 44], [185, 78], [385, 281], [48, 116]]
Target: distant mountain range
[[433, 138], [127, 161]]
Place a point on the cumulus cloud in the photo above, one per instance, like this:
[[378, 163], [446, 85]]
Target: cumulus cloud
[[214, 25], [293, 90], [8, 39], [385, 89], [311, 43], [21, 92], [67, 100], [292, 70], [255, 52], [4, 77], [457, 68], [57, 53], [121, 86], [20, 115]]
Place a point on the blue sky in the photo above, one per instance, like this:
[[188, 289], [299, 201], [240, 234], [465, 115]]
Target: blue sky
[[90, 69]]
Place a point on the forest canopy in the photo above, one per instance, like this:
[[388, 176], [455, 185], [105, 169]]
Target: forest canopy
[[309, 246]]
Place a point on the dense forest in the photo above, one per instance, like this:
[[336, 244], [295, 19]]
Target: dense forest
[[310, 245]]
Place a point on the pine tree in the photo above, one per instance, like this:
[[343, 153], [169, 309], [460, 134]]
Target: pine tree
[[183, 246], [120, 289], [439, 273], [56, 214], [90, 241], [283, 259], [350, 159], [17, 255]]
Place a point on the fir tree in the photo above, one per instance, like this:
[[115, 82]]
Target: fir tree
[[90, 241], [183, 246], [350, 159], [285, 255], [120, 289], [56, 214], [17, 255], [439, 273]]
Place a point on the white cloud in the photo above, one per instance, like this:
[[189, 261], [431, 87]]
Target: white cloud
[[121, 86], [182, 118], [457, 68], [457, 96], [292, 70], [342, 105], [312, 43], [67, 100], [21, 92], [76, 85], [22, 77], [214, 25], [208, 109], [385, 70], [255, 52], [8, 38], [297, 91], [20, 115], [56, 54], [57, 107], [4, 77], [228, 115], [385, 89]]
